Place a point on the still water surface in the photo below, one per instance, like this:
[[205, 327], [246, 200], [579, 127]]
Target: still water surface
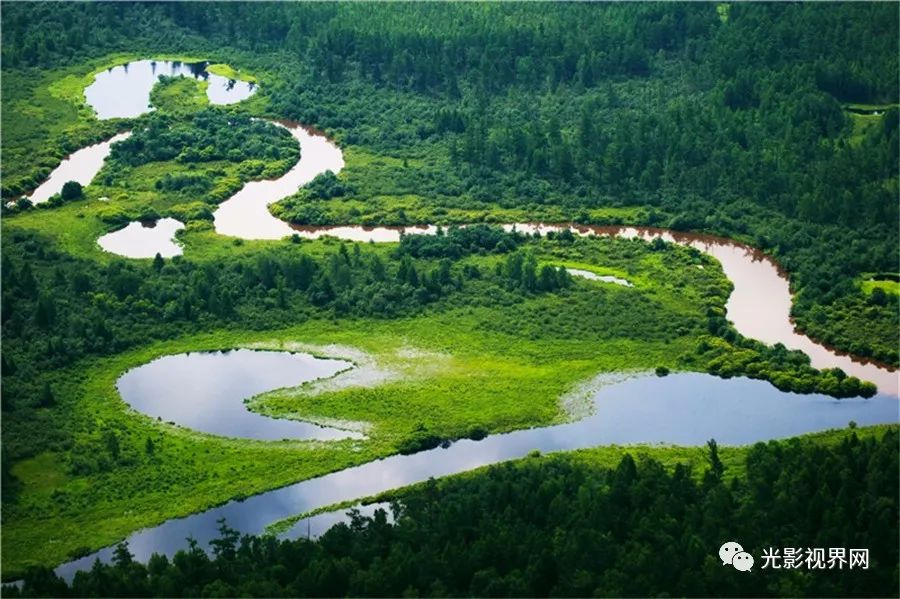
[[81, 166], [317, 525], [144, 239], [246, 214], [592, 276], [684, 409], [124, 91], [205, 391]]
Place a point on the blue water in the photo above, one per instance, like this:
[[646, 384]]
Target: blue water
[[683, 409], [205, 391]]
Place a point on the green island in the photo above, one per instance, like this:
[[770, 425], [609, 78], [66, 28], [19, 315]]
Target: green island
[[688, 117]]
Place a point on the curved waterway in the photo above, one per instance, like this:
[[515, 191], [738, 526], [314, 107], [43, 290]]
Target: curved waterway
[[205, 391], [683, 409], [124, 91], [759, 305], [246, 214], [81, 166], [144, 239]]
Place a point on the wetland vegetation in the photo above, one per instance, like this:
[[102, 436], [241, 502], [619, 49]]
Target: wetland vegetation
[[640, 521], [679, 115]]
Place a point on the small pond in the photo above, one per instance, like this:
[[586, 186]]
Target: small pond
[[592, 276], [205, 391], [124, 91], [144, 239]]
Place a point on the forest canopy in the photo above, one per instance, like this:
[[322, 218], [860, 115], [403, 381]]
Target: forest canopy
[[736, 119], [774, 124], [561, 526]]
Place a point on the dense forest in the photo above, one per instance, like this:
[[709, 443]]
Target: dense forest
[[725, 118], [561, 526], [775, 124], [209, 136], [57, 309]]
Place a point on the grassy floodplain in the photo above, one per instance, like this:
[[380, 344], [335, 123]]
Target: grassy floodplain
[[689, 116], [46, 116], [459, 369]]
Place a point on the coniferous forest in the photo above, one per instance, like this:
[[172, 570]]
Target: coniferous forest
[[729, 119], [769, 128], [562, 526]]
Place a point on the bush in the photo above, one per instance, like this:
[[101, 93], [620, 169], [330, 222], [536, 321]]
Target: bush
[[72, 190]]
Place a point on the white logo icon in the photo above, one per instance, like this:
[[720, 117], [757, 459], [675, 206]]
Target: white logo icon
[[742, 561], [728, 550], [732, 553]]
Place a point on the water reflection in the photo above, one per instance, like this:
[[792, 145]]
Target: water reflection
[[206, 391], [317, 525], [124, 91], [144, 239], [684, 409]]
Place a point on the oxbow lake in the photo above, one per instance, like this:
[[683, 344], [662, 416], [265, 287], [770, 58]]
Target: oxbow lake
[[205, 391], [124, 91]]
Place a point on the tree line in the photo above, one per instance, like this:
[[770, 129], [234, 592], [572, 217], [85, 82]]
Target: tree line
[[724, 118], [563, 526]]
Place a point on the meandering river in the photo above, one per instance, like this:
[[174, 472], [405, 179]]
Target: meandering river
[[81, 166], [682, 409], [759, 307], [246, 213]]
